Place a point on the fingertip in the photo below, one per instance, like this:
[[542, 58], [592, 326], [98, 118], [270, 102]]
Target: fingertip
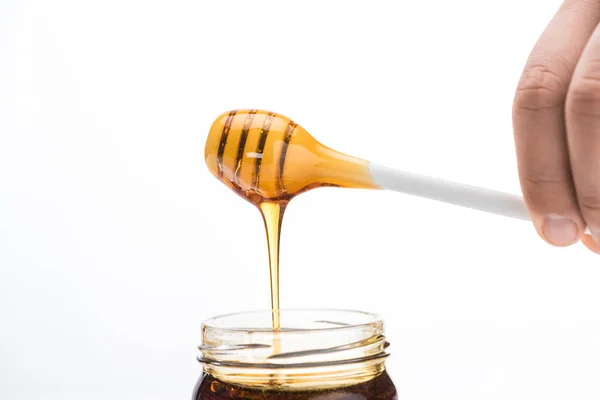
[[558, 230], [590, 243]]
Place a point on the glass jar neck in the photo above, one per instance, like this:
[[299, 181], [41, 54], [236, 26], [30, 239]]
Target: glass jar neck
[[313, 349]]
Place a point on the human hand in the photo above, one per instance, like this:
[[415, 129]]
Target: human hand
[[556, 119]]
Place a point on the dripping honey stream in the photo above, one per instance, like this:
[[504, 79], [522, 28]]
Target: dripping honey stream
[[272, 213], [268, 159]]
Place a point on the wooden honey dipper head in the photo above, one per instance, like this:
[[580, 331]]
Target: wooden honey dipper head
[[264, 156]]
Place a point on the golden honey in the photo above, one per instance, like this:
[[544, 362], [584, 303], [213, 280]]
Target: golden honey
[[379, 388]]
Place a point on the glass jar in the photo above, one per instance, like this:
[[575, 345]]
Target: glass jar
[[317, 355]]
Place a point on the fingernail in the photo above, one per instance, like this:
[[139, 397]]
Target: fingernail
[[595, 235], [559, 230]]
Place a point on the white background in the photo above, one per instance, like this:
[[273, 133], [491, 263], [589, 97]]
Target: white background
[[116, 242]]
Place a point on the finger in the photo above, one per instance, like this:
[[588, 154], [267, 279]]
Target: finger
[[590, 243], [583, 131], [539, 122]]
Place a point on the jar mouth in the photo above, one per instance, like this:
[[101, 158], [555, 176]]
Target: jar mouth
[[322, 344], [293, 320]]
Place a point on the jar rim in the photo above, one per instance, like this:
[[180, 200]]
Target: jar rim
[[313, 347], [355, 319]]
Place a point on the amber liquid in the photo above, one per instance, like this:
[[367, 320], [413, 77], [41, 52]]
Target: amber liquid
[[268, 159], [378, 388], [272, 214]]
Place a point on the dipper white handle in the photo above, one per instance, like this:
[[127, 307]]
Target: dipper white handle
[[486, 200]]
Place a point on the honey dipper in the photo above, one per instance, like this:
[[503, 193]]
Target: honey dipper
[[264, 156]]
